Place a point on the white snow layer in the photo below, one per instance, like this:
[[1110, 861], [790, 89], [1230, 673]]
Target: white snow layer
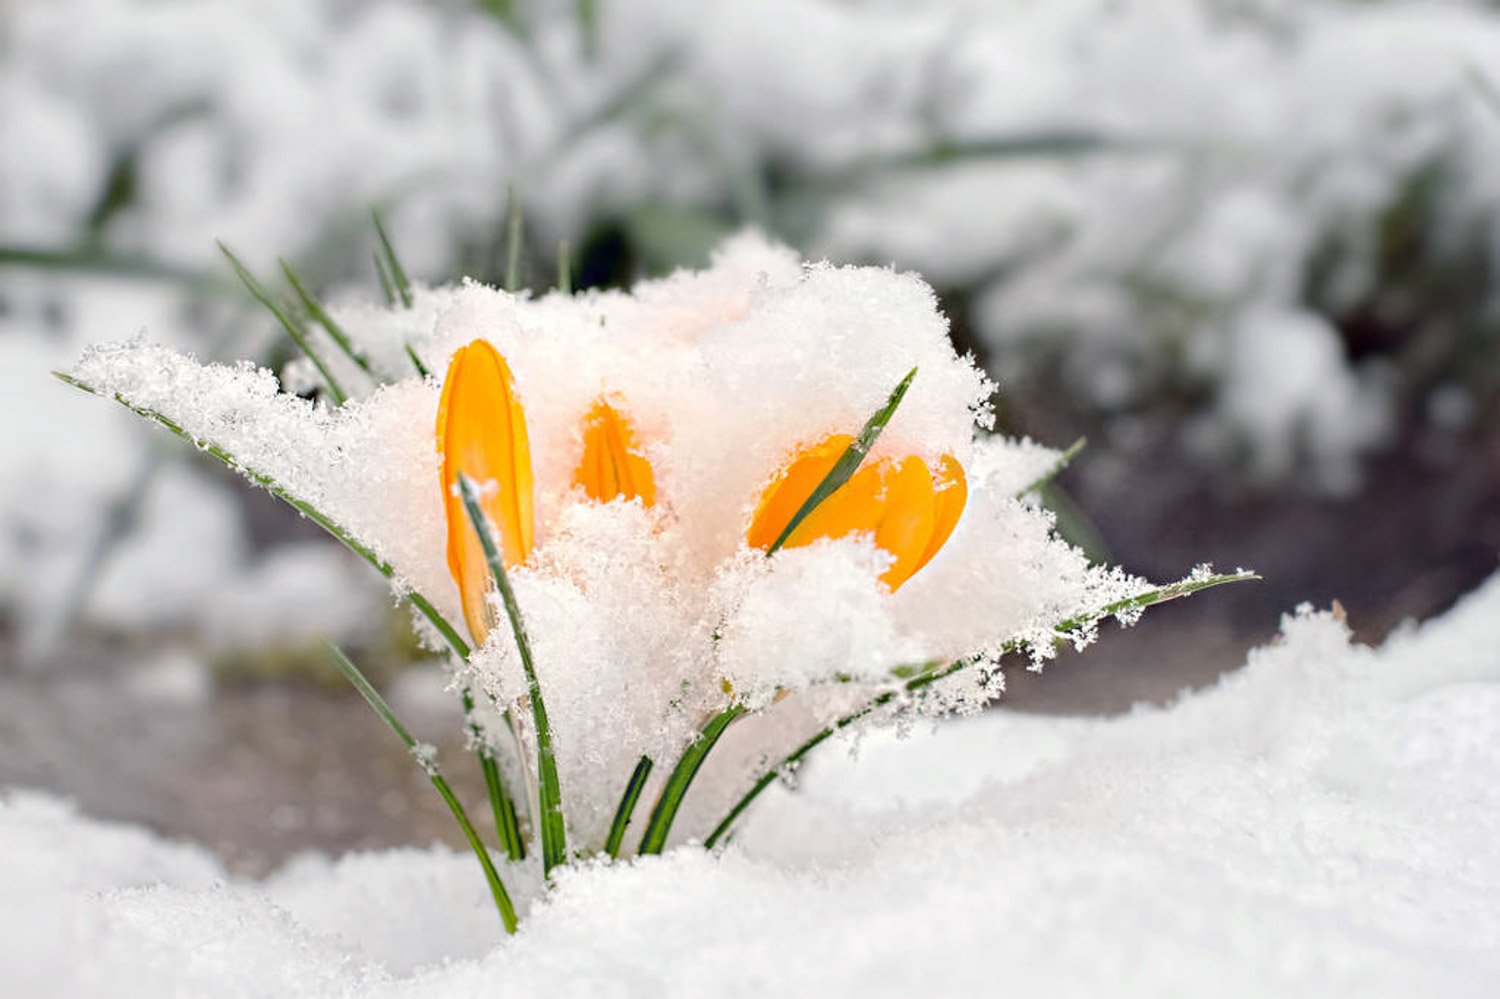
[[1324, 821], [639, 618]]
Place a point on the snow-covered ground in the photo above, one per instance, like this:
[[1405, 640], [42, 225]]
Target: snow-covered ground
[[1324, 821]]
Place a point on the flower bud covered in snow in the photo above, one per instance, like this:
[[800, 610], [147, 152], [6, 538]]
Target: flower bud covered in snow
[[696, 395]]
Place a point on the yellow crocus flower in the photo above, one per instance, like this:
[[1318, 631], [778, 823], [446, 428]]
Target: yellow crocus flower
[[909, 508], [481, 432], [610, 466]]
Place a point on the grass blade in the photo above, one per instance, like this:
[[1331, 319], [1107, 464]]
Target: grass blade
[[421, 603], [564, 268], [1063, 631], [505, 12], [848, 461], [386, 287], [416, 362], [293, 329], [553, 834], [587, 12], [93, 260], [507, 828], [513, 235], [500, 801], [628, 800], [675, 789], [322, 318], [1063, 461], [429, 766], [397, 275]]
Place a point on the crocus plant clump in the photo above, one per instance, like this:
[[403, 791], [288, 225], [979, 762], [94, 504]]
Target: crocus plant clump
[[689, 532]]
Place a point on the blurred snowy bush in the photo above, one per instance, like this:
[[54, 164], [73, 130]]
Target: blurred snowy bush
[[1236, 213]]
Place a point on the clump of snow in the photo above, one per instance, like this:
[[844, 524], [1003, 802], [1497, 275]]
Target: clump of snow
[[1322, 822], [645, 622]]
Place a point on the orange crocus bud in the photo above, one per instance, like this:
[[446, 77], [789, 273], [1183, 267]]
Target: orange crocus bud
[[481, 433], [907, 509], [610, 466]]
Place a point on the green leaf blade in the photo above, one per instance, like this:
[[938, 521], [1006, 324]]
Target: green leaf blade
[[320, 315], [849, 461], [552, 828], [675, 790], [293, 329], [372, 697], [626, 809], [397, 273]]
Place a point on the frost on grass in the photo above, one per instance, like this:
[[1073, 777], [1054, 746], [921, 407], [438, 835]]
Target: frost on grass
[[645, 622]]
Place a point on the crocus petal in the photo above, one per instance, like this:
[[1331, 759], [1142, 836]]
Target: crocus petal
[[951, 494], [892, 500], [610, 467], [785, 495], [481, 432]]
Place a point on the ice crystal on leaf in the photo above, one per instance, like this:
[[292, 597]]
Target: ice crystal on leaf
[[650, 613]]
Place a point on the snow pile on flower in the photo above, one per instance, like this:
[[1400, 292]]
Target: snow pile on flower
[[1324, 822], [646, 618]]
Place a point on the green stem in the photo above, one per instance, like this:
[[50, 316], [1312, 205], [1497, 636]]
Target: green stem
[[429, 766], [676, 787], [550, 822], [628, 801]]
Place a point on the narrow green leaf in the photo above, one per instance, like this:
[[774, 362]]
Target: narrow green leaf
[[421, 603], [397, 272], [501, 805], [293, 329], [322, 318], [1063, 631], [94, 260], [424, 606], [505, 12], [588, 26], [626, 809], [553, 834], [1487, 89], [676, 787], [429, 766], [513, 236], [416, 362], [564, 268], [386, 287], [634, 95], [1063, 461], [848, 462]]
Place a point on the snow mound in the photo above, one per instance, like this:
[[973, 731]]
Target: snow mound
[[1323, 822]]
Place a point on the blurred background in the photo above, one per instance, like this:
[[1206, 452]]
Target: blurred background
[[1248, 248]]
